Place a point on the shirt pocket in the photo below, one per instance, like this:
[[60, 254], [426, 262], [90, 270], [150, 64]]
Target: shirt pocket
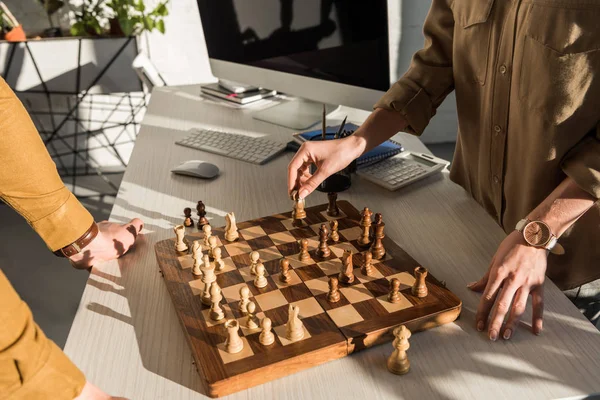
[[472, 36]]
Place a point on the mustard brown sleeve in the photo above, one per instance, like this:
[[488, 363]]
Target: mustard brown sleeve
[[32, 367], [582, 163], [29, 181], [429, 79]]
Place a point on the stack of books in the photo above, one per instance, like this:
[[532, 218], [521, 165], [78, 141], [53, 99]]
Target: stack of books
[[240, 98]]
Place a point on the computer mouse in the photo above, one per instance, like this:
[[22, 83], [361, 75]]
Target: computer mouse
[[197, 168]]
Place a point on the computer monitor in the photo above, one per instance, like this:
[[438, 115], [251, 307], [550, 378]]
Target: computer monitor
[[321, 51]]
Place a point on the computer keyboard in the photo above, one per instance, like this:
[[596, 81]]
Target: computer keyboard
[[240, 147]]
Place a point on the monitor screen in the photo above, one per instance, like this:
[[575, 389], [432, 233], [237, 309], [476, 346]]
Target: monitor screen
[[344, 41]]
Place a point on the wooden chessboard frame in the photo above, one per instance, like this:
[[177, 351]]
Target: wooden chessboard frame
[[223, 374]]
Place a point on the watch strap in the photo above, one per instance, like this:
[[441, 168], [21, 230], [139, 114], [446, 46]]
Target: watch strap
[[552, 245], [78, 245]]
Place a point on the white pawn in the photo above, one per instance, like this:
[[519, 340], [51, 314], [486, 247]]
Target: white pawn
[[266, 337], [197, 256], [250, 320], [212, 245], [180, 245], [244, 298], [207, 234], [231, 230], [254, 256], [260, 281], [294, 329], [208, 277], [219, 264], [216, 312]]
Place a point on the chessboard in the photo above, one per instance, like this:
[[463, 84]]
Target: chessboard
[[363, 316]]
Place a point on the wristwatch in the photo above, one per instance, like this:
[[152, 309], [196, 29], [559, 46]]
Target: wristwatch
[[78, 245], [538, 234]]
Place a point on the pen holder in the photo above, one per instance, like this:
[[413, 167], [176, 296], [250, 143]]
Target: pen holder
[[339, 181]]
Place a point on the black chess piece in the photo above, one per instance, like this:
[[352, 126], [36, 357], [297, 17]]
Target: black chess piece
[[188, 217], [201, 209]]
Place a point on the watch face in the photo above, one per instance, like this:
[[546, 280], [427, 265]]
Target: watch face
[[536, 233]]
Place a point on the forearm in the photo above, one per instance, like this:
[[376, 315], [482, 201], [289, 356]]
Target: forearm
[[381, 125], [563, 206]]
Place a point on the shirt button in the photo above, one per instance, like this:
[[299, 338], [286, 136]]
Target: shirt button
[[503, 69], [496, 179]]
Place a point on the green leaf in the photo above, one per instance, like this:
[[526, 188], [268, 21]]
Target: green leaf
[[160, 25], [161, 9], [140, 6], [127, 26]]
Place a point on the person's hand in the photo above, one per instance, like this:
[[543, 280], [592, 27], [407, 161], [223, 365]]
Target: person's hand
[[517, 270], [112, 242], [91, 392], [329, 156]]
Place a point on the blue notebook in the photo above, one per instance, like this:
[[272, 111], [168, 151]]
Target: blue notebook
[[385, 150]]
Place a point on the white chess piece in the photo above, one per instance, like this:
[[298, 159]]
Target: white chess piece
[[250, 319], [212, 243], [219, 264], [233, 343], [260, 281], [254, 256], [208, 277], [266, 337], [244, 298], [216, 312], [231, 230], [197, 257], [207, 234], [294, 329], [180, 245]]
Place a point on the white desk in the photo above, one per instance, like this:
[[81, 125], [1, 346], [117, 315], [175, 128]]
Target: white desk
[[126, 337]]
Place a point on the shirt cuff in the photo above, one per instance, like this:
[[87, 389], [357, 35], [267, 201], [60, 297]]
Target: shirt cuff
[[582, 164], [414, 104]]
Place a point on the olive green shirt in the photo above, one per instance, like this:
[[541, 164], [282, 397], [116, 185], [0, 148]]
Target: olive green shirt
[[527, 80]]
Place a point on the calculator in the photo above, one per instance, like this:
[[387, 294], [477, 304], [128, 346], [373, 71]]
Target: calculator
[[402, 169]]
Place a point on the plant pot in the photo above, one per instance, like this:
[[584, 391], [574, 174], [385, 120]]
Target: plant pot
[[16, 34], [115, 27]]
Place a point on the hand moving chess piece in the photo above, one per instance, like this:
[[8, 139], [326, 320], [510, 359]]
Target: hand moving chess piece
[[219, 264], [254, 260], [377, 247], [294, 329], [347, 273], [244, 299], [180, 245], [334, 293], [201, 209], [188, 221], [266, 337], [251, 319], [212, 245], [323, 250], [365, 223], [260, 281], [231, 229], [207, 229], [284, 267], [334, 235], [367, 268], [298, 212], [208, 277], [332, 208], [419, 288], [394, 296], [398, 362], [216, 312], [233, 343], [197, 257], [304, 255]]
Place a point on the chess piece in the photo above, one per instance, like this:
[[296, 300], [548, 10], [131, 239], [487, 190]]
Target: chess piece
[[419, 288], [347, 273], [208, 277], [394, 296], [231, 230], [365, 223], [398, 362], [299, 204], [233, 343], [367, 268], [201, 209], [212, 245], [294, 329], [180, 245], [254, 260], [332, 208], [216, 312], [260, 281], [377, 247], [334, 293], [188, 221], [197, 257], [266, 337], [284, 266], [304, 254], [323, 250], [244, 299], [219, 264], [334, 235], [251, 319], [207, 229]]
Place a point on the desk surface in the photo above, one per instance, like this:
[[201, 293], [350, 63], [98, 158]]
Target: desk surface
[[127, 339]]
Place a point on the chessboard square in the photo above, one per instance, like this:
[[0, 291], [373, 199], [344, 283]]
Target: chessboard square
[[232, 293], [271, 286], [237, 248], [318, 286], [375, 274], [279, 315], [370, 309], [378, 287], [406, 279], [229, 265], [209, 321], [260, 243], [308, 307], [403, 304], [296, 292], [303, 233], [331, 267], [351, 233], [291, 224], [258, 347], [295, 280], [282, 238], [288, 249], [186, 261], [315, 256], [197, 287], [271, 300], [242, 322], [280, 331], [356, 293], [247, 275], [327, 305], [340, 215], [270, 253], [228, 357], [230, 278], [296, 263], [346, 315], [309, 272], [252, 233]]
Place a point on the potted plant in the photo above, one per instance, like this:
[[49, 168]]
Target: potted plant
[[51, 7], [130, 17], [90, 19]]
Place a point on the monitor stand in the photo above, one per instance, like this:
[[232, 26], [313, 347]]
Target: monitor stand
[[296, 114]]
